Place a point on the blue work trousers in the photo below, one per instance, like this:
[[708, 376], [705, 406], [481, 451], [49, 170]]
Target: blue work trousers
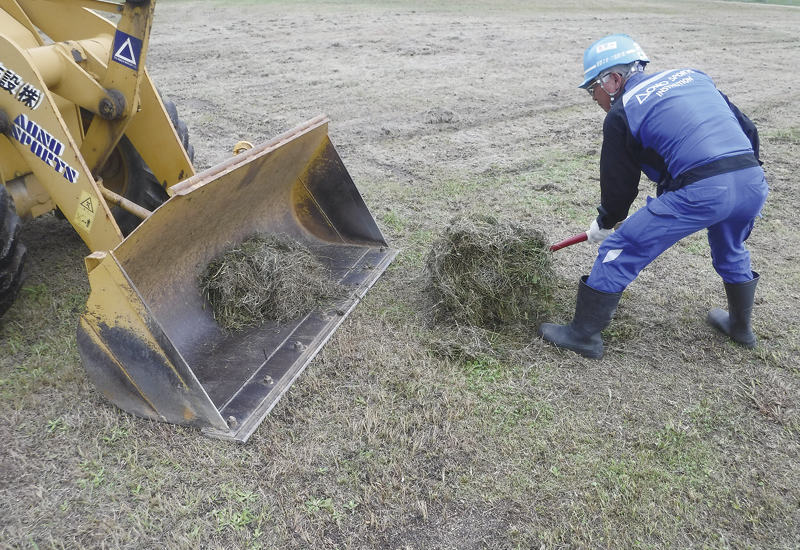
[[726, 205]]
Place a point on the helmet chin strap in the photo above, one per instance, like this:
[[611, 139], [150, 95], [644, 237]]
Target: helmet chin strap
[[613, 96]]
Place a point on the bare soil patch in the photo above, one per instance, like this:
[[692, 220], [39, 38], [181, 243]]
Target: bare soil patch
[[403, 435]]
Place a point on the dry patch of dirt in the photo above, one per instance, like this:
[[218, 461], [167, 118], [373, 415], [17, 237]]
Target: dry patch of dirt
[[391, 439]]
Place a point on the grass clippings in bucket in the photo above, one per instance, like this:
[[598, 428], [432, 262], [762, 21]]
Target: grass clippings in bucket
[[485, 273], [266, 278]]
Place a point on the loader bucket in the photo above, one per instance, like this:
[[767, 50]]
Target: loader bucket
[[148, 338]]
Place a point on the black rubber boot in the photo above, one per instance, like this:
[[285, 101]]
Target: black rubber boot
[[593, 312], [736, 321]]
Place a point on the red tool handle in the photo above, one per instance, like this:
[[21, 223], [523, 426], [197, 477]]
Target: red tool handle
[[579, 238]]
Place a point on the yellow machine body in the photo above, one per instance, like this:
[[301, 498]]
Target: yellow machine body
[[76, 110]]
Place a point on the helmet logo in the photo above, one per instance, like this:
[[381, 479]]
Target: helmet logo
[[615, 49], [607, 46]]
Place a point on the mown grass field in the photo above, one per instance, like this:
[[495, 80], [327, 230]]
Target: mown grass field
[[405, 433]]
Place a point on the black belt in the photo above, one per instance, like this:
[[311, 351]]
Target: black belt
[[713, 168]]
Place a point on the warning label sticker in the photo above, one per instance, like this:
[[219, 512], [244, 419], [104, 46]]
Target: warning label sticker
[[127, 50], [87, 208]]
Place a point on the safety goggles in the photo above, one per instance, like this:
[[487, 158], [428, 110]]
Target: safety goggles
[[600, 80]]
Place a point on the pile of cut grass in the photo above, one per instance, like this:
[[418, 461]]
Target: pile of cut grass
[[489, 274], [266, 278]]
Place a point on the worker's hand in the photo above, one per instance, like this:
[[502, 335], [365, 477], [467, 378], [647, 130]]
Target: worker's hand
[[597, 235]]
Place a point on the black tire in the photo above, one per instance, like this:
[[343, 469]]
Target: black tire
[[180, 127], [126, 174], [12, 252]]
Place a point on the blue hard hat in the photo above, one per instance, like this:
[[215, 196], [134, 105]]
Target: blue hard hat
[[616, 49]]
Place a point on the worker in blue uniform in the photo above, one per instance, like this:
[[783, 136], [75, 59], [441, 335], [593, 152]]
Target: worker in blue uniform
[[703, 153]]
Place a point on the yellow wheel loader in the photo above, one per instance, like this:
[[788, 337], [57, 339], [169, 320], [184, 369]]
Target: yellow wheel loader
[[84, 132]]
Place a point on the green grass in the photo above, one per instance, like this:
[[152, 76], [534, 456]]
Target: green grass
[[403, 433], [789, 135]]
